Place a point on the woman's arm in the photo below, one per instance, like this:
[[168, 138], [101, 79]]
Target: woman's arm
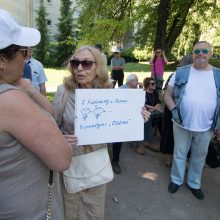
[[152, 58], [164, 58], [34, 129]]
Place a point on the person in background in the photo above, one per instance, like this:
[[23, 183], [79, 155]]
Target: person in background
[[117, 65], [153, 105], [37, 70], [30, 142], [186, 60], [27, 72], [167, 141], [131, 83], [99, 47], [193, 97], [158, 62]]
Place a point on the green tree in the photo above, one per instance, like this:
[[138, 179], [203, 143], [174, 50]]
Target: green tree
[[66, 39], [105, 21], [173, 25], [41, 50]]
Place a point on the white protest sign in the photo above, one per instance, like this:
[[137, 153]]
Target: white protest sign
[[108, 115]]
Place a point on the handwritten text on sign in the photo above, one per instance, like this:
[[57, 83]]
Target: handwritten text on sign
[[108, 115]]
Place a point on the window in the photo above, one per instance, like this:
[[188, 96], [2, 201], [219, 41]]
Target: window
[[48, 22]]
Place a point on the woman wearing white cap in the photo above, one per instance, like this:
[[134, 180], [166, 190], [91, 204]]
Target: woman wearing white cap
[[30, 142]]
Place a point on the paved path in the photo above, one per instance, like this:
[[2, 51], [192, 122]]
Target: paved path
[[140, 192]]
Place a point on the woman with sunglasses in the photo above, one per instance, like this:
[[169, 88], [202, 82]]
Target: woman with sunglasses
[[30, 142], [153, 105], [158, 62], [88, 71]]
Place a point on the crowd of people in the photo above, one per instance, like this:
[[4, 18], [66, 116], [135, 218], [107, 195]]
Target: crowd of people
[[45, 174]]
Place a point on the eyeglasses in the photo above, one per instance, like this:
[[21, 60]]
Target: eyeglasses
[[23, 51], [198, 51], [158, 52], [152, 84], [86, 64]]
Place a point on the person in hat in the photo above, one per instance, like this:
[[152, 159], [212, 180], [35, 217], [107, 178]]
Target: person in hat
[[30, 142], [99, 47], [117, 65]]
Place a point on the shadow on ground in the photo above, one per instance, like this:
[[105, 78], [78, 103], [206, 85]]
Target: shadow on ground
[[140, 192]]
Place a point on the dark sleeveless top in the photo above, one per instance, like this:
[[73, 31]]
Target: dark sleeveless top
[[24, 181]]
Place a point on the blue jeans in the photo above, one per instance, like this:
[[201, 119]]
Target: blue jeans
[[184, 140]]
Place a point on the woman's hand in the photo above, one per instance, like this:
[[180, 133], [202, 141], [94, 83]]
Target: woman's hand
[[146, 114], [26, 86], [22, 83], [71, 139], [158, 108]]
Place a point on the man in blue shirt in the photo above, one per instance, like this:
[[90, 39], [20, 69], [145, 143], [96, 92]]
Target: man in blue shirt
[[37, 70]]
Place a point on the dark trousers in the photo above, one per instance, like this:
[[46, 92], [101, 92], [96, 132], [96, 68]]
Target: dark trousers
[[116, 149], [118, 76]]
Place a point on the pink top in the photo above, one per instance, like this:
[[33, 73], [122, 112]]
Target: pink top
[[159, 66]]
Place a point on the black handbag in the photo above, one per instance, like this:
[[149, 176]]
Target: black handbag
[[213, 156]]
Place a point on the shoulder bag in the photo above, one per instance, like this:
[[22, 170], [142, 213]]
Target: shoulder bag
[[86, 170], [213, 156]]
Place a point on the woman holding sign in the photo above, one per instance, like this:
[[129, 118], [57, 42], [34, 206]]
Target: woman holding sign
[[82, 184]]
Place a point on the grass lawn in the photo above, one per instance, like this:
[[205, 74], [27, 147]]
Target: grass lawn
[[55, 76]]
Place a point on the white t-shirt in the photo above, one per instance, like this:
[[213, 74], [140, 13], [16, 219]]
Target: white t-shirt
[[199, 100]]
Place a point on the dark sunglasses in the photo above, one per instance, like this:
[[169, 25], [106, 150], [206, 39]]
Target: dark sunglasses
[[86, 64], [152, 84], [23, 51], [198, 51], [158, 51]]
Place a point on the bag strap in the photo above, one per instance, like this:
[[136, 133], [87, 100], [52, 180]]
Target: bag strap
[[155, 75], [64, 101], [49, 205]]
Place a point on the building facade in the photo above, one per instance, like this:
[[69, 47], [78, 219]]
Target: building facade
[[25, 12]]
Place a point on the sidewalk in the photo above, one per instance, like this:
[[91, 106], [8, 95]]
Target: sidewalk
[[140, 192]]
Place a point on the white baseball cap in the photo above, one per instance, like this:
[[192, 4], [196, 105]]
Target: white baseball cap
[[12, 33], [117, 51]]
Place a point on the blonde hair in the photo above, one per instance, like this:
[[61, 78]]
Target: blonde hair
[[101, 80]]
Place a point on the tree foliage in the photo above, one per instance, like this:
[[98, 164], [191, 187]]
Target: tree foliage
[[170, 24], [105, 21], [66, 40], [41, 22]]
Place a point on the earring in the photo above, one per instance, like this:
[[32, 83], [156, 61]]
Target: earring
[[2, 68]]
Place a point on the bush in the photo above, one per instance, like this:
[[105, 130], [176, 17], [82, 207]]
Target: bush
[[143, 55], [129, 55], [215, 62]]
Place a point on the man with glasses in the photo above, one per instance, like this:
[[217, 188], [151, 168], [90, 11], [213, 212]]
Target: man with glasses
[[192, 96]]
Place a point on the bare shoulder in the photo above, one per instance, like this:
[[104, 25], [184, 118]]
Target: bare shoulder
[[14, 104]]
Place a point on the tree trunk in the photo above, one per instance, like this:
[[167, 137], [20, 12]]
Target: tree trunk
[[165, 39], [163, 16]]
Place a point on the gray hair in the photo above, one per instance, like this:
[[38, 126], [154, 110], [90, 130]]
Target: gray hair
[[131, 78], [203, 41]]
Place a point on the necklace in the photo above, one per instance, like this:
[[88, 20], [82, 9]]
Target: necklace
[[150, 97]]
